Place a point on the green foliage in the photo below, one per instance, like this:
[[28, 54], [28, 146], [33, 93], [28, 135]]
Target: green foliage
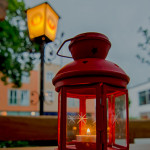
[[4, 144], [17, 53], [144, 46], [129, 102], [9, 144]]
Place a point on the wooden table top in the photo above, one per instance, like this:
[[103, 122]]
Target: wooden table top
[[29, 148], [132, 147]]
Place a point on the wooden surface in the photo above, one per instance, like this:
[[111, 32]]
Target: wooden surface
[[30, 148], [132, 147], [45, 128], [139, 147], [28, 128], [139, 129]]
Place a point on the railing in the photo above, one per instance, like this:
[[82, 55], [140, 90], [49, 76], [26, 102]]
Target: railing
[[139, 129], [28, 128], [44, 128]]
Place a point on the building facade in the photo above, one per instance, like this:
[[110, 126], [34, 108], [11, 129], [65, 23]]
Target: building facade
[[140, 101], [25, 100], [51, 97], [19, 101]]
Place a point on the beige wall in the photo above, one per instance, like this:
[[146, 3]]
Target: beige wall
[[53, 107], [48, 86]]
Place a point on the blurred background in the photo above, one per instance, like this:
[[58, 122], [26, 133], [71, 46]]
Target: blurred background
[[125, 23]]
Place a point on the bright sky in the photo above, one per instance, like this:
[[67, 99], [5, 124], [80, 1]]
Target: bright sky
[[119, 20]]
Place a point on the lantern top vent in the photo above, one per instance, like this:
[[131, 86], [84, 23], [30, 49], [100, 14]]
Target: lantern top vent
[[89, 45]]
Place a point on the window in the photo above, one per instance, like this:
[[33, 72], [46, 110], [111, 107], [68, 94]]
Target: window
[[18, 97], [25, 78], [144, 115], [24, 97], [21, 113], [49, 96], [49, 76], [142, 97], [13, 100], [148, 97]]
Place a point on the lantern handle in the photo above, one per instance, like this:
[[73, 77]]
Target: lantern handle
[[64, 43], [62, 46]]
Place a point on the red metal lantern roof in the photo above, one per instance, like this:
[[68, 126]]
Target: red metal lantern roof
[[89, 45], [89, 51], [90, 67]]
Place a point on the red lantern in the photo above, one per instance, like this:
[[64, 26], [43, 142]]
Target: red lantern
[[93, 99]]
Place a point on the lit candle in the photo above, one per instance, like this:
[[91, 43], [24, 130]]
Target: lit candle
[[88, 131], [86, 138]]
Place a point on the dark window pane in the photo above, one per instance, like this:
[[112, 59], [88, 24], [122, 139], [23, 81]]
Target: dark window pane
[[15, 97], [148, 97], [142, 98], [10, 97]]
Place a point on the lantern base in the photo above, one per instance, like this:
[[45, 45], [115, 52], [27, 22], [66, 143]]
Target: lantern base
[[80, 146], [87, 146]]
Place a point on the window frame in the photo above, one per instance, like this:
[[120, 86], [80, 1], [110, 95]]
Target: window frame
[[10, 91], [18, 97], [28, 97], [53, 96], [146, 96]]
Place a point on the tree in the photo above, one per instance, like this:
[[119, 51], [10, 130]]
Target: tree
[[17, 53], [144, 46]]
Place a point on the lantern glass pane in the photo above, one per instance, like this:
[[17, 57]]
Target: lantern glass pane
[[81, 119], [120, 120], [117, 119]]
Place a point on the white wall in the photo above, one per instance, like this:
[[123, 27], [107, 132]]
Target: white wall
[[135, 109]]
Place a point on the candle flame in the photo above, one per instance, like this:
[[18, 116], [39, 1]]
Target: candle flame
[[88, 131]]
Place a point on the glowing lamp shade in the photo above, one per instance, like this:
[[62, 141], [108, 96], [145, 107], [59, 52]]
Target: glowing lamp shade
[[42, 23]]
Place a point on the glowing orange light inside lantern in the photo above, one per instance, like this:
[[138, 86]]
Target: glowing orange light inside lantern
[[74, 128], [36, 19], [108, 129]]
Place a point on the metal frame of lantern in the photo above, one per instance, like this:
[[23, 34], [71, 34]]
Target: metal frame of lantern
[[91, 76], [100, 112], [112, 118]]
